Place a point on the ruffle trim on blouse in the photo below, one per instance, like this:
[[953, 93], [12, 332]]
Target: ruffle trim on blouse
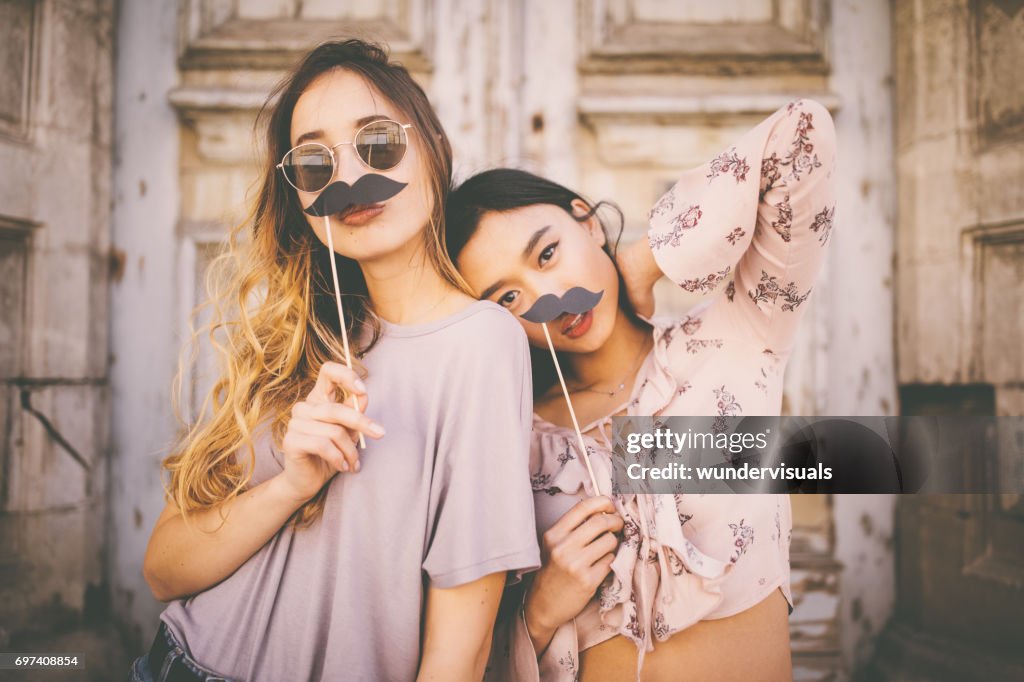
[[639, 599]]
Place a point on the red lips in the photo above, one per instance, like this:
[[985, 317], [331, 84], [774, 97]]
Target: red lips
[[575, 326], [360, 214]]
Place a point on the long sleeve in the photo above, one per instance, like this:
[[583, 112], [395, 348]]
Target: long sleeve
[[561, 660], [761, 211], [513, 658]]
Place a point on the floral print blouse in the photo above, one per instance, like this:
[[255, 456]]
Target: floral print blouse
[[760, 212]]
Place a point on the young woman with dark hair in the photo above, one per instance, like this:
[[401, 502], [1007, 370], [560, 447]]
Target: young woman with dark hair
[[698, 587]]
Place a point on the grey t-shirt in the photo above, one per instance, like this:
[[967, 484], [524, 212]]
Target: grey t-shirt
[[443, 499]]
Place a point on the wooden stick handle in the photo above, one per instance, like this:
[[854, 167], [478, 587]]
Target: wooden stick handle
[[572, 412], [341, 316]]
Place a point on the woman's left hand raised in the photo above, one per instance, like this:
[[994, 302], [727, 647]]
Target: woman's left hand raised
[[639, 271]]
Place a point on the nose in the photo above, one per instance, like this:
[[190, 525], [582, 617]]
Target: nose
[[535, 285], [350, 168]]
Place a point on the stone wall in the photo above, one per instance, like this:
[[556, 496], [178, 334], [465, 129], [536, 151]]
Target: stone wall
[[55, 149]]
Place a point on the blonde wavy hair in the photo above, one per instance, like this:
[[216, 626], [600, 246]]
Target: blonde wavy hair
[[273, 318]]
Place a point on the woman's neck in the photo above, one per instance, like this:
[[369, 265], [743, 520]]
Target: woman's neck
[[405, 288], [629, 341]]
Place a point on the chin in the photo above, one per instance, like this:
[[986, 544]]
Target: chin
[[581, 347], [371, 241], [595, 337], [597, 340]]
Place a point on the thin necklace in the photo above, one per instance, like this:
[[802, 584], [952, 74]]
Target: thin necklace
[[622, 384]]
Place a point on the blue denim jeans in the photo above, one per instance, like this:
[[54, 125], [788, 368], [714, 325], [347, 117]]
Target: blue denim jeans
[[140, 671]]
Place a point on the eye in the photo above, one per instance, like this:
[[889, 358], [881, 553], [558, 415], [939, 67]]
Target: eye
[[547, 253], [508, 299]]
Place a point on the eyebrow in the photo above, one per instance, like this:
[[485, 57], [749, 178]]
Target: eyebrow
[[530, 246], [319, 134]]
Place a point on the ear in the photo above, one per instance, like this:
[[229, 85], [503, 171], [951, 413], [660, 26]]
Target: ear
[[592, 225]]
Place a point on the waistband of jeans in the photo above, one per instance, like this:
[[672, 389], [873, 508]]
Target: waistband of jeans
[[170, 662]]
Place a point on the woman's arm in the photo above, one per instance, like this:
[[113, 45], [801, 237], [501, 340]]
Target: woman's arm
[[761, 211], [184, 559], [457, 629], [484, 519]]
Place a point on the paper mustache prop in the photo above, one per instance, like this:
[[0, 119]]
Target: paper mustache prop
[[547, 308], [335, 198], [577, 300], [338, 196]]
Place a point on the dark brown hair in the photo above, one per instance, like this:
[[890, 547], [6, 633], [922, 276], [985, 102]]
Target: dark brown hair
[[506, 189]]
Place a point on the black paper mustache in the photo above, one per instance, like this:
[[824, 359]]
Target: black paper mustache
[[338, 196], [549, 306]]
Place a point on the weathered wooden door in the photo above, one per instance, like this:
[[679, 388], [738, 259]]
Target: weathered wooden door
[[613, 97], [960, 336]]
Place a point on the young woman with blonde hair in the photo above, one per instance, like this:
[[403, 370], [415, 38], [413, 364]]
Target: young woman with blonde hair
[[289, 551]]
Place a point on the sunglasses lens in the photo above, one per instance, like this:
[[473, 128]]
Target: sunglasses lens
[[381, 144], [309, 167]]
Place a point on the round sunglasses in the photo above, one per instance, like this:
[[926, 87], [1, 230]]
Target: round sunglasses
[[380, 146]]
